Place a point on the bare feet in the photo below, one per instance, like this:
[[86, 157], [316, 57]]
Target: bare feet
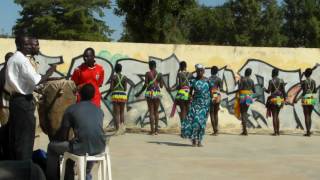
[[244, 133], [194, 144], [214, 134], [199, 144]]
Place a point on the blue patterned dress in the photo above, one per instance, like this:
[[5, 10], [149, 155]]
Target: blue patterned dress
[[194, 125]]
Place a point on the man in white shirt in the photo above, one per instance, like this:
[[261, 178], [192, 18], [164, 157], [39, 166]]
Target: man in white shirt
[[21, 80]]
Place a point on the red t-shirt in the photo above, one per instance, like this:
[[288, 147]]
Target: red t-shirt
[[94, 75]]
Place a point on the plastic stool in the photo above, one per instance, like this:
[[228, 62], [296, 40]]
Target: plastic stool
[[103, 159]]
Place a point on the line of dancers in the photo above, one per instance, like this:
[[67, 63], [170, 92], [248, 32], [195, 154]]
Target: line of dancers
[[198, 96]]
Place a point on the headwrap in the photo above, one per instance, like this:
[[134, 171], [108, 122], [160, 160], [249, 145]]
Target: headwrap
[[199, 66]]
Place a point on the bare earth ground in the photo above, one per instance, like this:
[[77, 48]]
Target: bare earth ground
[[227, 156]]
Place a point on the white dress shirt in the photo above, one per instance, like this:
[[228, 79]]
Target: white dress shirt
[[20, 76]]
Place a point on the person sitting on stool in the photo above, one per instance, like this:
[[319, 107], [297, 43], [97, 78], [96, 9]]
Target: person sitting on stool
[[85, 119]]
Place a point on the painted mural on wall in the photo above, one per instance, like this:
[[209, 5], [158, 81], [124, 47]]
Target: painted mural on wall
[[291, 116]]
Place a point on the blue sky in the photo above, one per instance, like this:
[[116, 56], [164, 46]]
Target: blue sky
[[9, 13]]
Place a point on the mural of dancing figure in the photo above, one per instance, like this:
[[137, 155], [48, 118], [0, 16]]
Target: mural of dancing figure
[[153, 83], [276, 100]]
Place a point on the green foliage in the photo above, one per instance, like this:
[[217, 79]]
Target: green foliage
[[63, 19], [157, 21], [294, 23], [269, 33], [302, 26]]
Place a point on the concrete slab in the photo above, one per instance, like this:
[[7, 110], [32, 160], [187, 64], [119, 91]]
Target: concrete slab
[[168, 157]]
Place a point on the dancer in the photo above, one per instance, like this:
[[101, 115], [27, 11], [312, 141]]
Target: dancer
[[308, 87], [153, 83], [119, 98], [194, 125], [276, 100], [183, 86], [216, 98], [244, 99], [89, 72]]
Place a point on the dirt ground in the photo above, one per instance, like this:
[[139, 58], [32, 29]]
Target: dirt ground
[[227, 156]]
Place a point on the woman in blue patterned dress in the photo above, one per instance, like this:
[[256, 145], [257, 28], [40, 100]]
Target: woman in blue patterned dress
[[194, 125]]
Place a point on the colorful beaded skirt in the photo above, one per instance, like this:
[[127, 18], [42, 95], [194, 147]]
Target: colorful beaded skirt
[[153, 93], [183, 93], [119, 96], [246, 97], [277, 100], [309, 99], [216, 96]]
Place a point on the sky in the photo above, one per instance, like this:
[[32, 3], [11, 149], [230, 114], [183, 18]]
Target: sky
[[9, 13]]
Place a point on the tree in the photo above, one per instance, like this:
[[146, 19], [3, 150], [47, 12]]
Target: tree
[[302, 22], [246, 14], [270, 25], [63, 19], [154, 21]]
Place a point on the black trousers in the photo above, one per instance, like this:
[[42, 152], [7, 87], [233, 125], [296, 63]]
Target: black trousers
[[21, 127], [4, 141]]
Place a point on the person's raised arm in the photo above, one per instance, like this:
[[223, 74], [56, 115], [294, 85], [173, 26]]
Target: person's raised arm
[[125, 83], [146, 81], [283, 90], [174, 87], [111, 86], [101, 78], [161, 80], [269, 88]]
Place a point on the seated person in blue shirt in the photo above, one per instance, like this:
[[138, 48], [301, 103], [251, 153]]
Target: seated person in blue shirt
[[86, 121]]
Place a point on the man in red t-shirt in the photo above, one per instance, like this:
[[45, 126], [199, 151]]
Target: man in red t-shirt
[[89, 72]]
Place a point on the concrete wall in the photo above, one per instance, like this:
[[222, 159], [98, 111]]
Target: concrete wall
[[231, 60]]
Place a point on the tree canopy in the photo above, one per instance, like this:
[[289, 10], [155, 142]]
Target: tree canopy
[[237, 22], [64, 19], [291, 23]]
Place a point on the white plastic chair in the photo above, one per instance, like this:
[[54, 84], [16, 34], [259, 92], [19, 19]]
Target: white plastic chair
[[102, 159]]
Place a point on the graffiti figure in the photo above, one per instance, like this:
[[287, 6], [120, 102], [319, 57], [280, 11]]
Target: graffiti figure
[[119, 98], [276, 100], [89, 72], [308, 87], [216, 98], [182, 98], [153, 83], [244, 99]]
